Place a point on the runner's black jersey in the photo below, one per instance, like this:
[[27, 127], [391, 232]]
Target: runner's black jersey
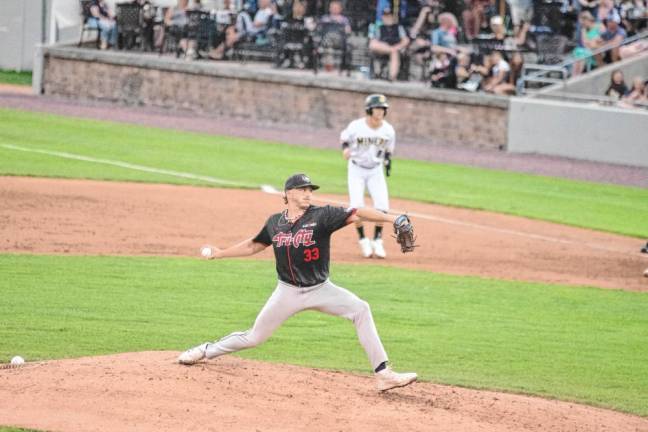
[[303, 249]]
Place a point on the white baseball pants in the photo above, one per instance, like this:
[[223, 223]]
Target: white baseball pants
[[287, 300], [371, 178]]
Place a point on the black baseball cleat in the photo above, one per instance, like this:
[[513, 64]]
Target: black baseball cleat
[[645, 249]]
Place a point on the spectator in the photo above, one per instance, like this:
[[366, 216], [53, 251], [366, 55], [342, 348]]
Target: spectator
[[607, 11], [389, 39], [633, 48], [589, 40], [634, 15], [298, 12], [315, 8], [103, 20], [611, 38], [225, 45], [499, 72], [335, 16], [462, 70], [588, 6], [473, 17], [175, 23], [478, 73], [397, 7], [444, 38], [294, 44], [497, 28], [521, 14], [509, 87], [177, 15], [253, 28], [426, 19], [440, 70], [421, 31], [638, 90], [617, 88]]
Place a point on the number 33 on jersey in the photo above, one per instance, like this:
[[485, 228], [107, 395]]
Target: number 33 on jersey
[[302, 249]]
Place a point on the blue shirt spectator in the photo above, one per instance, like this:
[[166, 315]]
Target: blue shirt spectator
[[399, 7]]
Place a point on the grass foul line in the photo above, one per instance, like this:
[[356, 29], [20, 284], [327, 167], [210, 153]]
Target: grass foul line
[[272, 190], [495, 229], [127, 165]]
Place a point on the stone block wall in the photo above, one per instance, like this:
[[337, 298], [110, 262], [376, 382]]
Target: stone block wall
[[261, 94]]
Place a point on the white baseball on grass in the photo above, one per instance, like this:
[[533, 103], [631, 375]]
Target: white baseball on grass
[[205, 251], [17, 360]]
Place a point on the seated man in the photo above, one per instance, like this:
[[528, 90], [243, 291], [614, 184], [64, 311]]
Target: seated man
[[389, 39], [335, 16], [613, 35], [102, 19]]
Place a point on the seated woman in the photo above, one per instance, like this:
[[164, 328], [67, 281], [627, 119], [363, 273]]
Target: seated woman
[[617, 88], [499, 72], [444, 38], [509, 87], [589, 41], [637, 90]]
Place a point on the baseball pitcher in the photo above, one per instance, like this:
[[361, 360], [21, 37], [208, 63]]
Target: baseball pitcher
[[301, 238], [367, 144]]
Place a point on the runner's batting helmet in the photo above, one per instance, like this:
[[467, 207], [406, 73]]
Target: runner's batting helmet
[[376, 101]]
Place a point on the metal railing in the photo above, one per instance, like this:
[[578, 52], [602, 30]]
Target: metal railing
[[595, 99], [546, 74]]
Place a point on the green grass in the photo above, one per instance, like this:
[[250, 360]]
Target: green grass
[[13, 77], [611, 208], [582, 344], [13, 429]]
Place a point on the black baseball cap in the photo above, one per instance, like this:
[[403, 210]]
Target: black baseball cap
[[298, 181]]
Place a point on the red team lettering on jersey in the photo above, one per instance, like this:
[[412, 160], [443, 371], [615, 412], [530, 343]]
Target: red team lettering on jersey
[[301, 237]]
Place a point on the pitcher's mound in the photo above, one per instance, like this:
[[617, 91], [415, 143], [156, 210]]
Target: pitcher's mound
[[149, 392]]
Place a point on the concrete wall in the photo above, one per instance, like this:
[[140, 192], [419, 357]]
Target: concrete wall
[[263, 94], [597, 81], [21, 28], [579, 131]]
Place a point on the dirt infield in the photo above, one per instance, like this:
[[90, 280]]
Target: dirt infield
[[147, 392], [78, 217]]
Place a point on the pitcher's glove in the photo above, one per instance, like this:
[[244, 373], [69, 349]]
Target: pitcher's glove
[[404, 233]]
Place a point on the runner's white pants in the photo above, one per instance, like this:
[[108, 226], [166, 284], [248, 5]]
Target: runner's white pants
[[371, 178], [287, 300]]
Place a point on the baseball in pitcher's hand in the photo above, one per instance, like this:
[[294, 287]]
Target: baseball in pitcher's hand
[[346, 153], [210, 252]]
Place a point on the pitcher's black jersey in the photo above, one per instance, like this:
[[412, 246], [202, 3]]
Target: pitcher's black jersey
[[303, 249]]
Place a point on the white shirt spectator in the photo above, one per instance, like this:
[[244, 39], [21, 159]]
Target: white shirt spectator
[[501, 66]]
